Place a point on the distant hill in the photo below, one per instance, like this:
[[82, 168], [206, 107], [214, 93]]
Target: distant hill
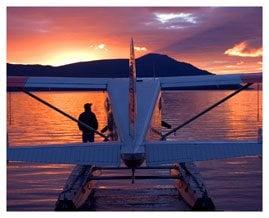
[[150, 65], [147, 66]]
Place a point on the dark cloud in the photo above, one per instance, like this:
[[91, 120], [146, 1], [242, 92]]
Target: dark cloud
[[222, 33]]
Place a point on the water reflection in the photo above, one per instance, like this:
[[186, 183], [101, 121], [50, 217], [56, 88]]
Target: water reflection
[[31, 123], [34, 123], [235, 119]]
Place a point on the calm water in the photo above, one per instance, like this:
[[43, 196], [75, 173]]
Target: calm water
[[234, 184]]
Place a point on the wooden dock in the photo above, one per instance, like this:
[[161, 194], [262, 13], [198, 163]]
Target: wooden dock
[[164, 193], [143, 195]]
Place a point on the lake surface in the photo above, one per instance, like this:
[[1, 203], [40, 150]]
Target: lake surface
[[234, 184]]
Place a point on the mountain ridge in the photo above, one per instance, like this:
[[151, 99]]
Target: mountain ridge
[[149, 65]]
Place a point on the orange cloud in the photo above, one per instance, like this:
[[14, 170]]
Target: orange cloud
[[243, 50], [240, 63], [100, 46], [140, 48]]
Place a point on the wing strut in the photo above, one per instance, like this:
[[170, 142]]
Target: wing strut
[[206, 110], [65, 114]]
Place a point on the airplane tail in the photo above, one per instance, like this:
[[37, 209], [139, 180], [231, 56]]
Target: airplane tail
[[132, 91]]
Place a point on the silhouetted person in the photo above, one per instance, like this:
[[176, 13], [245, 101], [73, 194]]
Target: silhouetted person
[[89, 118]]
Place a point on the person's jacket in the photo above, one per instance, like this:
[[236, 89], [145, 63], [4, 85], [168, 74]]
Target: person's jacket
[[88, 118]]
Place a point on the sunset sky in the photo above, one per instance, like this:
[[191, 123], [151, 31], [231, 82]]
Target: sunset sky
[[217, 39]]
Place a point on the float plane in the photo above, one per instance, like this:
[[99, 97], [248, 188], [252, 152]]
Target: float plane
[[132, 101]]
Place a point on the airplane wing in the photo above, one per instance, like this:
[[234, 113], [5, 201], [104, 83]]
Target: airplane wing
[[57, 82], [101, 83], [169, 152], [101, 154], [171, 83]]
